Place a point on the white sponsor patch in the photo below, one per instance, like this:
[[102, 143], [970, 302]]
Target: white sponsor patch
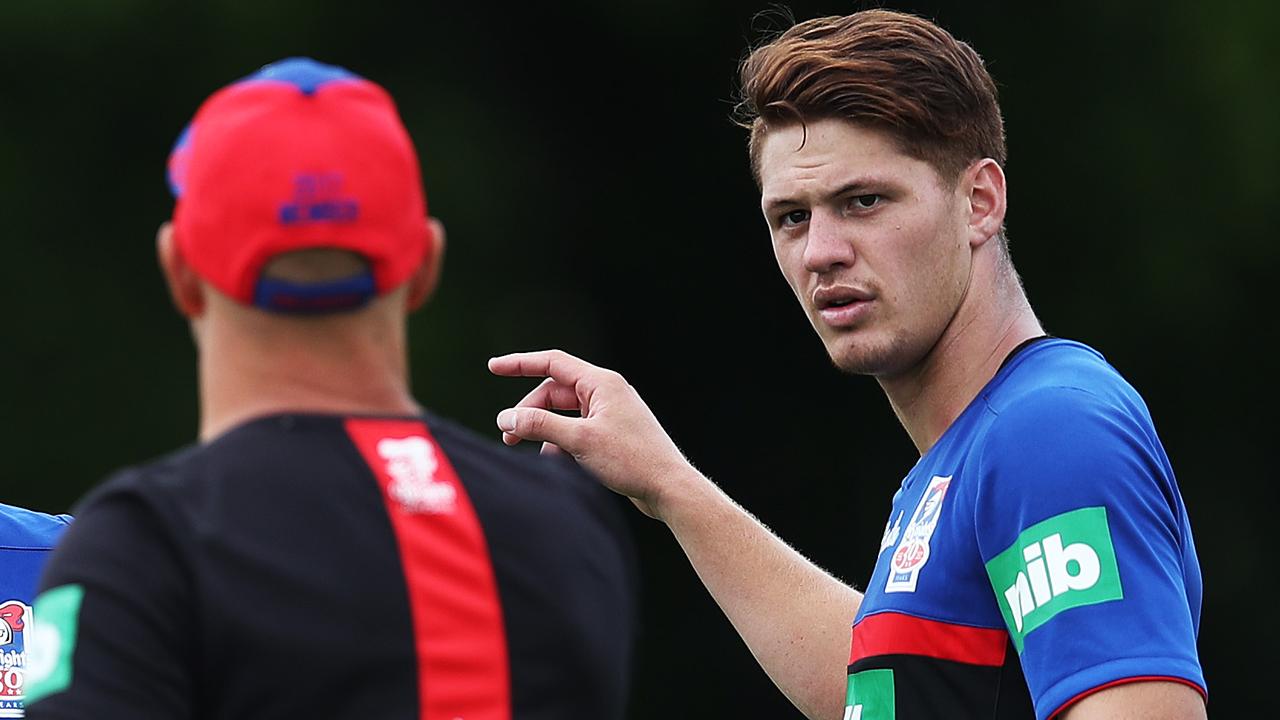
[[890, 537], [913, 550], [15, 634], [412, 465]]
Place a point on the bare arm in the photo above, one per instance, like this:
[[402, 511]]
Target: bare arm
[[794, 617], [1140, 701]]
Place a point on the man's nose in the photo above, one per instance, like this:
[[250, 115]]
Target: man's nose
[[827, 244]]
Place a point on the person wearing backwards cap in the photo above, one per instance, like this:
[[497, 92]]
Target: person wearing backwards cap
[[328, 548]]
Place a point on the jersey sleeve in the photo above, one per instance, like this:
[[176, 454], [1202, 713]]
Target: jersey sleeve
[[1087, 548], [113, 620]]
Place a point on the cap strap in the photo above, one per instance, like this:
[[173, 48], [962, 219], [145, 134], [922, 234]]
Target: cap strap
[[314, 297]]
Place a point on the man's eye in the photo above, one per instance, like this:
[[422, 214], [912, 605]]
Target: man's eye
[[795, 217], [864, 202]]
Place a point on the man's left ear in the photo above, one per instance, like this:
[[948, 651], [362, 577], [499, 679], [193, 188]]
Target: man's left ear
[[185, 287], [427, 277], [984, 184]]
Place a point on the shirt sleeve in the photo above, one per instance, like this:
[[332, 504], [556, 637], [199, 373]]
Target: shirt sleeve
[[113, 619], [1086, 543]]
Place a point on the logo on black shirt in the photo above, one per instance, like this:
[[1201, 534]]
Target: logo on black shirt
[[412, 465]]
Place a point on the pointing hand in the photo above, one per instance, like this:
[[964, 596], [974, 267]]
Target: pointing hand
[[615, 435]]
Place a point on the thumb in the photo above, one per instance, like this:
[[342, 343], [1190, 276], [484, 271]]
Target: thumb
[[527, 423]]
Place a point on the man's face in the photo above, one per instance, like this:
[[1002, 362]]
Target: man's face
[[871, 240]]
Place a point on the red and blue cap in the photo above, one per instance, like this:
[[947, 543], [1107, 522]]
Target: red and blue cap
[[299, 155]]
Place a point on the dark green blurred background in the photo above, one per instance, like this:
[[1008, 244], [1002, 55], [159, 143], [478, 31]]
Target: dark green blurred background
[[597, 199]]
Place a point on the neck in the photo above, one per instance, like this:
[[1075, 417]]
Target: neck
[[251, 366], [989, 324]]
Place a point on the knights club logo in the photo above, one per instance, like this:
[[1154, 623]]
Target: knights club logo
[[913, 551], [15, 619], [413, 467]]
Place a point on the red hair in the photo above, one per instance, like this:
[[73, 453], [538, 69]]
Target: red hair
[[887, 70]]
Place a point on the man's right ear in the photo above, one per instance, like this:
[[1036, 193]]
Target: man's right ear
[[185, 288]]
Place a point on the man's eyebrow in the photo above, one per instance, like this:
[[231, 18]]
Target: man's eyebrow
[[861, 185], [771, 204], [853, 186]]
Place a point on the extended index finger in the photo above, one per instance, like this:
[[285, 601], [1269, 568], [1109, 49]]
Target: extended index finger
[[556, 364]]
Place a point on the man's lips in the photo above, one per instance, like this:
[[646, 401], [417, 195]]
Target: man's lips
[[842, 305]]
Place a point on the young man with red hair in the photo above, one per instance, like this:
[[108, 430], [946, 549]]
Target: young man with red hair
[[1037, 560]]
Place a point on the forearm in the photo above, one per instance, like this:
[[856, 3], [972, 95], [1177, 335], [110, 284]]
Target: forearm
[[793, 616]]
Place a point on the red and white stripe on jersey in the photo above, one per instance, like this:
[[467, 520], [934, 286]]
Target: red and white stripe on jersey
[[459, 638]]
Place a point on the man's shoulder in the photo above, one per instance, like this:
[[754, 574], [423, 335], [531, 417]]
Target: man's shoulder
[[144, 478], [24, 529], [288, 452], [1062, 417], [1056, 380], [264, 447], [272, 446]]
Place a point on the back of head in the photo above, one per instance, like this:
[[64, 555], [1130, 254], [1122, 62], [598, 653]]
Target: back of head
[[299, 192], [882, 69]]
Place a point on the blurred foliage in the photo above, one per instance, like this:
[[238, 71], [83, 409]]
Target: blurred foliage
[[597, 199]]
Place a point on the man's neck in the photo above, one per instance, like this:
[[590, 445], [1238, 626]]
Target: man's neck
[[986, 328], [244, 375]]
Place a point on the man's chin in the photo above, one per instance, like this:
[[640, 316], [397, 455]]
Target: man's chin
[[855, 367], [861, 359]]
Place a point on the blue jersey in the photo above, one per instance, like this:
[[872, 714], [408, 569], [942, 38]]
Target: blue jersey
[[26, 538], [1038, 552]]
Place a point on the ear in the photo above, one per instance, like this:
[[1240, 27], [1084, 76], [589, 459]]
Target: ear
[[424, 281], [984, 185], [185, 287]]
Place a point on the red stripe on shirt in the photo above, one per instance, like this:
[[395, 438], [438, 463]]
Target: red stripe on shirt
[[459, 638], [1126, 681], [897, 634]]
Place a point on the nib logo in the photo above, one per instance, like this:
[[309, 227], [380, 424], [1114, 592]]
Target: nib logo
[[1064, 562], [869, 696], [1049, 572]]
